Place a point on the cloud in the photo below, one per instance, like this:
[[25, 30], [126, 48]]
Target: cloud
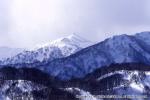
[[4, 19], [29, 22]]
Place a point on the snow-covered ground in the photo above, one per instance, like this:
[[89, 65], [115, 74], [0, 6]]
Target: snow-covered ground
[[15, 89], [81, 94]]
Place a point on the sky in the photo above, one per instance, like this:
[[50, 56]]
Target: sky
[[26, 23]]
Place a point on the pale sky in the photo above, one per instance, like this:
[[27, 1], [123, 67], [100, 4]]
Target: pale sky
[[26, 23]]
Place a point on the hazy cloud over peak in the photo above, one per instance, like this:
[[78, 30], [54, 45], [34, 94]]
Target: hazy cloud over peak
[[24, 23]]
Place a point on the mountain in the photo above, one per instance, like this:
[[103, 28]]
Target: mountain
[[118, 49], [7, 52], [118, 67], [57, 49]]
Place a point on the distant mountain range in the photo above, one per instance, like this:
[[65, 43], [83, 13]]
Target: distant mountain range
[[66, 59], [7, 52]]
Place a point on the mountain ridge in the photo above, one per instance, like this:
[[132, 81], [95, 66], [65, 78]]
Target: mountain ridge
[[128, 50], [118, 49], [57, 49]]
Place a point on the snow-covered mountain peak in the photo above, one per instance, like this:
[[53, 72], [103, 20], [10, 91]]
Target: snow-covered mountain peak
[[76, 37], [59, 48], [71, 40], [80, 40], [63, 42]]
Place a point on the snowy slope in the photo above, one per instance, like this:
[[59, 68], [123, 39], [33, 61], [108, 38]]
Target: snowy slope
[[132, 80], [134, 84], [29, 84], [137, 84], [13, 89], [81, 94], [29, 90], [6, 52], [57, 49], [120, 81]]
